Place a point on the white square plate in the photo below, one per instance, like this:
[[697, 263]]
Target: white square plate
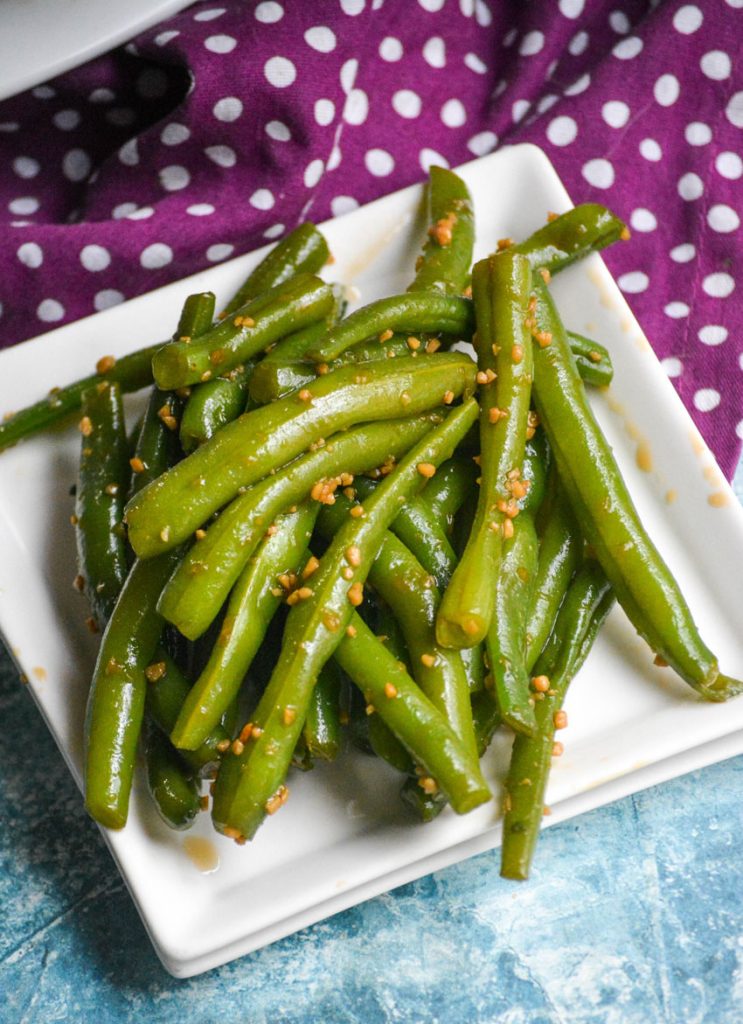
[[342, 838]]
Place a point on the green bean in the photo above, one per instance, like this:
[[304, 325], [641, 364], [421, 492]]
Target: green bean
[[202, 582], [252, 784], [243, 334], [592, 359], [571, 237], [213, 404], [304, 251], [253, 602], [641, 580], [131, 373], [501, 287], [173, 789], [99, 504], [171, 508], [586, 605], [322, 726], [117, 693], [411, 313], [382, 740], [445, 263], [485, 719], [167, 690], [446, 492]]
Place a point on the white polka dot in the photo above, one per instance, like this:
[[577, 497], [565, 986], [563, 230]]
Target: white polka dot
[[390, 49], [716, 65], [200, 209], [500, 88], [352, 7], [687, 19], [174, 178], [24, 205], [156, 256], [324, 112], [349, 70], [95, 257], [578, 44], [66, 120], [519, 110], [643, 220], [690, 186], [275, 231], [599, 173], [734, 3], [547, 102], [76, 165], [650, 149], [356, 108], [280, 72], [676, 310], [453, 113], [571, 8], [482, 14], [343, 204], [615, 113], [152, 83], [141, 213], [219, 251], [619, 22], [165, 37], [107, 298], [432, 5], [43, 92], [210, 15], [227, 109], [121, 117], [427, 158], [734, 110], [123, 210], [102, 96], [269, 12], [697, 133], [320, 38], [26, 167], [220, 44], [672, 366], [482, 143], [628, 48], [719, 285], [222, 156], [30, 255], [532, 43], [739, 425], [634, 282], [713, 334], [262, 199], [473, 62], [50, 311], [578, 86], [723, 218], [510, 37], [334, 159], [434, 52], [9, 126], [313, 172], [278, 131], [552, 67], [173, 134], [683, 253], [379, 162], [666, 90], [706, 399], [729, 165], [406, 103], [561, 131]]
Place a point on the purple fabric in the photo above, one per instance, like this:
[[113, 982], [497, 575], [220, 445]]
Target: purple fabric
[[231, 122]]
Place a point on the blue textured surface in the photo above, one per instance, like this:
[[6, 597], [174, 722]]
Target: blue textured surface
[[634, 915]]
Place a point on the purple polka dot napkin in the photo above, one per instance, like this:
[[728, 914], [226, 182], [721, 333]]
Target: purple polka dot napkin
[[231, 122]]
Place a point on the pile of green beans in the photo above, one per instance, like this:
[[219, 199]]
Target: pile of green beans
[[333, 527]]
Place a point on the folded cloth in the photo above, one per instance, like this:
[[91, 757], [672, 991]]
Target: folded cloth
[[228, 124]]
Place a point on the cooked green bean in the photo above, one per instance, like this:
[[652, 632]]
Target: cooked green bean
[[322, 726], [213, 404], [592, 359], [171, 508], [571, 236], [173, 789], [304, 251], [641, 580], [99, 505], [501, 288], [445, 263], [446, 492]]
